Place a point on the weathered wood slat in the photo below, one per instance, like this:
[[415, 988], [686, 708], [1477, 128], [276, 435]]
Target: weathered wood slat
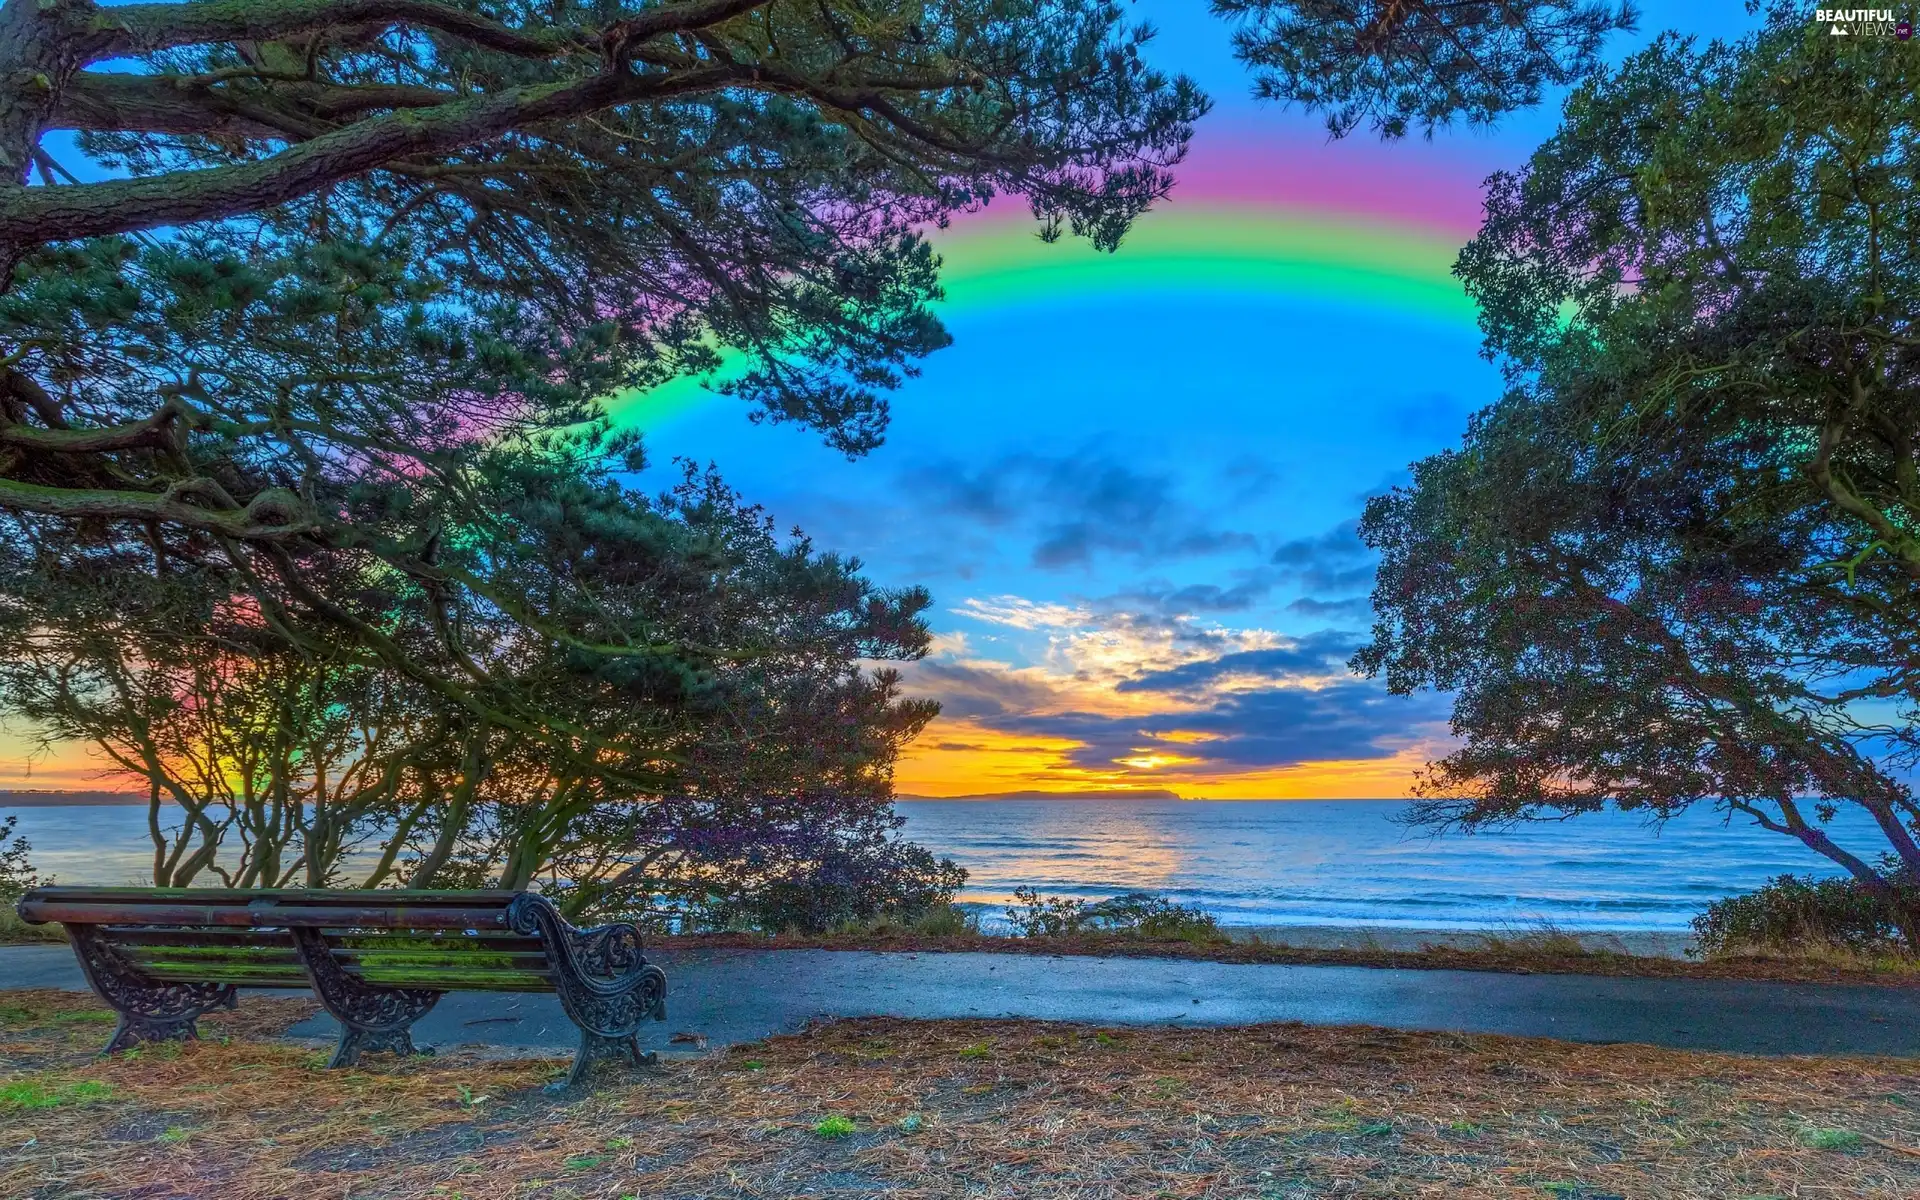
[[480, 940], [451, 960], [199, 972], [456, 981], [138, 935], [40, 910], [351, 897], [210, 954]]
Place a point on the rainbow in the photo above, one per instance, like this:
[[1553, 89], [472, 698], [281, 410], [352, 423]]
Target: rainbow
[[1249, 219]]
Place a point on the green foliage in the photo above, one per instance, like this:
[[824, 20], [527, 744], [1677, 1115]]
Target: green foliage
[[21, 1095], [311, 515], [1796, 913], [1135, 914], [1407, 64], [1674, 563], [1830, 1139], [834, 1127], [886, 884], [16, 871]]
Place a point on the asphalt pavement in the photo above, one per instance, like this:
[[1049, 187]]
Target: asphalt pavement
[[730, 996]]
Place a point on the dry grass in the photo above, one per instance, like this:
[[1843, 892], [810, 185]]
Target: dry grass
[[1521, 954], [955, 1109]]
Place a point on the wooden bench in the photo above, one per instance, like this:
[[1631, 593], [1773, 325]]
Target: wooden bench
[[377, 960]]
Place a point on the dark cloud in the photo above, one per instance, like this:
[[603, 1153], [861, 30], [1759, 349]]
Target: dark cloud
[[1078, 507], [965, 691], [1307, 606], [1388, 482], [1314, 654], [1341, 543], [1282, 727], [1335, 561]]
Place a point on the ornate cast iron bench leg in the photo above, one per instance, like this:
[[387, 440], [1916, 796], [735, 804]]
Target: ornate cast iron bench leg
[[371, 1018], [150, 1010], [610, 1024], [605, 985]]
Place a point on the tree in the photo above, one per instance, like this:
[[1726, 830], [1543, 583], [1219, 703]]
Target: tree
[[414, 243], [762, 764], [691, 177], [17, 875], [1402, 64], [1676, 562]]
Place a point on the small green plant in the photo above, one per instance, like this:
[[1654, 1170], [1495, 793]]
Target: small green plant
[[619, 1143], [978, 1050], [1103, 1038], [175, 1135], [1373, 1129], [753, 1064], [467, 1098], [1133, 914], [85, 1016], [1830, 1139], [1463, 1128], [24, 1094], [585, 1162], [834, 1127]]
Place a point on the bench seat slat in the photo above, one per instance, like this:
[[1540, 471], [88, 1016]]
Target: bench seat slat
[[451, 960], [269, 916], [177, 971], [349, 897], [138, 935], [458, 981], [212, 954]]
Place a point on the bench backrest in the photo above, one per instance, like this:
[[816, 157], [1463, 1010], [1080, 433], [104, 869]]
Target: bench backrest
[[389, 937]]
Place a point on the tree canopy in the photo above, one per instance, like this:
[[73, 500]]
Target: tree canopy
[[1677, 562], [307, 490], [1398, 65]]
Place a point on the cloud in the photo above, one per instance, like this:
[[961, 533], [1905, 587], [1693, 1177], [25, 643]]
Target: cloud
[[1307, 659], [1342, 542], [1076, 508], [1123, 698], [1018, 613], [1307, 606], [969, 690]]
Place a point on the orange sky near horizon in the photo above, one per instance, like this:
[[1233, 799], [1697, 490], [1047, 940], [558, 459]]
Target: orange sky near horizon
[[953, 758], [960, 758]]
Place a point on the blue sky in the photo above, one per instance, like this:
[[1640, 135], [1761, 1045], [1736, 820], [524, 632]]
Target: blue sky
[[1132, 493], [1135, 508]]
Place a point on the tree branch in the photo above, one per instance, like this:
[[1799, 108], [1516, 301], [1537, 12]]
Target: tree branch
[[39, 215]]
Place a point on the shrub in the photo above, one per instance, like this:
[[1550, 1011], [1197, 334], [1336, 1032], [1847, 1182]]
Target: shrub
[[16, 873], [1137, 914], [846, 885], [1800, 913]]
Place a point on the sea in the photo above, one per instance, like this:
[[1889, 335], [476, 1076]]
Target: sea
[[1250, 862]]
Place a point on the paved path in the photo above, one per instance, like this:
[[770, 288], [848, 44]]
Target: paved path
[[743, 995]]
